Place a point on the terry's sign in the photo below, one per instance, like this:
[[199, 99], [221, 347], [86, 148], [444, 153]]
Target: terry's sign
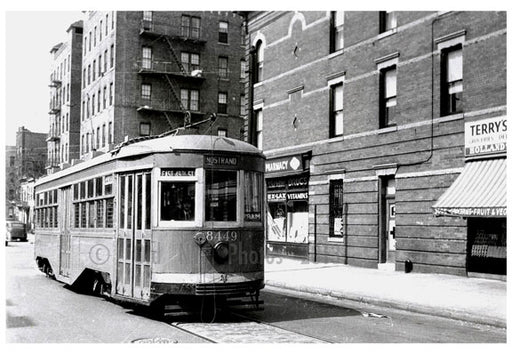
[[284, 164], [486, 136]]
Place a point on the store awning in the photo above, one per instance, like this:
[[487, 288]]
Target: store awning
[[479, 191]]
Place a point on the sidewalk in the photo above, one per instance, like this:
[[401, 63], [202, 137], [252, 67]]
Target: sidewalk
[[470, 299]]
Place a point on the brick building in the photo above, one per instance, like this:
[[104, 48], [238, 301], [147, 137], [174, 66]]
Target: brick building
[[371, 123], [65, 92], [148, 72], [29, 164]]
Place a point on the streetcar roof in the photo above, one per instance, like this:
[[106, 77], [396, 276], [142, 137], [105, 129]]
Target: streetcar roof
[[165, 144]]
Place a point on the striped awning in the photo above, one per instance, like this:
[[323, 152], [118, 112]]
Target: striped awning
[[479, 191]]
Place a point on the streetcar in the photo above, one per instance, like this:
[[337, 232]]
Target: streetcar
[[166, 217]]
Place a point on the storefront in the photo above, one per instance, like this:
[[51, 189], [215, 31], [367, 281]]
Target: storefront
[[287, 182], [479, 195]]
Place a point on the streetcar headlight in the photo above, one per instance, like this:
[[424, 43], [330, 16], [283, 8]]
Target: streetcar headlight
[[221, 250]]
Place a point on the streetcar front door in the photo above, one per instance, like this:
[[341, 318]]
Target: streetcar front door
[[65, 236], [134, 235]]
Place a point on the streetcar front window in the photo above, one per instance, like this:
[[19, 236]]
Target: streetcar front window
[[220, 204], [177, 201]]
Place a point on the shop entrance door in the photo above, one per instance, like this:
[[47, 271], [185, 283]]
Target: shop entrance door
[[387, 242]]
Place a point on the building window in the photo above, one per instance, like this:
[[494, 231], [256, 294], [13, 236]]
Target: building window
[[147, 57], [95, 31], [451, 80], [89, 74], [101, 30], [190, 99], [146, 91], [112, 56], [222, 132], [144, 129], [103, 140], [147, 20], [106, 24], [99, 100], [111, 93], [84, 80], [259, 128], [337, 21], [93, 103], [90, 40], [105, 60], [88, 106], [336, 110], [110, 133], [223, 32], [190, 26], [223, 67], [258, 72], [99, 66], [93, 70], [387, 96], [387, 21], [190, 61], [98, 136], [336, 222], [243, 110], [104, 97], [223, 103], [243, 69]]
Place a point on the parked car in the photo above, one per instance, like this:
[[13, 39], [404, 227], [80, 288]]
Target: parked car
[[16, 230]]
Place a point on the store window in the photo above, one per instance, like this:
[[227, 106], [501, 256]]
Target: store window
[[177, 201], [288, 209], [221, 195], [336, 221]]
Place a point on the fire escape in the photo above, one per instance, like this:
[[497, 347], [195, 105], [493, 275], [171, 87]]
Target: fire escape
[[54, 132], [173, 72]]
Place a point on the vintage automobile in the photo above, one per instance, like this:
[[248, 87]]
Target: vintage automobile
[[15, 230]]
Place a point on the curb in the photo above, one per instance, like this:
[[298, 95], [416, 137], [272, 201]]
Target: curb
[[389, 303]]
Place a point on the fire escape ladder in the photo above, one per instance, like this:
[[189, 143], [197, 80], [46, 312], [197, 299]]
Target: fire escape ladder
[[174, 56]]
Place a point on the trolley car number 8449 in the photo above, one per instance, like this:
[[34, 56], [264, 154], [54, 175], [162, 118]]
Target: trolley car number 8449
[[220, 235]]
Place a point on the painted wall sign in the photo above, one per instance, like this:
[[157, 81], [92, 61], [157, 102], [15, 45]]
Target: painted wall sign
[[284, 164], [486, 137], [173, 172]]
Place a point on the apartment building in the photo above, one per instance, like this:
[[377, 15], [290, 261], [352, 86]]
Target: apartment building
[[65, 92], [149, 72], [385, 134]]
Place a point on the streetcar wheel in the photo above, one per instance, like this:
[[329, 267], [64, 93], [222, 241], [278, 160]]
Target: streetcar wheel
[[49, 271]]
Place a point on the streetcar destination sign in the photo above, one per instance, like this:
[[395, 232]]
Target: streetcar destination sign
[[216, 160], [173, 172]]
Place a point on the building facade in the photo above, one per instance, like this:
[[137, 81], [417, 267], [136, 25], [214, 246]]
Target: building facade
[[65, 92], [364, 119], [29, 164], [149, 72], [10, 182]]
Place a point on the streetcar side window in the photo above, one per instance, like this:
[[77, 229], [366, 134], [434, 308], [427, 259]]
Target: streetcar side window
[[221, 195], [177, 201], [93, 203], [253, 186], [47, 209]]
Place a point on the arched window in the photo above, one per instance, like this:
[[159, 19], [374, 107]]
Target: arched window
[[258, 73]]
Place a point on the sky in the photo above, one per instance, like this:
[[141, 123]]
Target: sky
[[29, 37]]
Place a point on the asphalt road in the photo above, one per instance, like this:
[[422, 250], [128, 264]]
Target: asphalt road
[[41, 310]]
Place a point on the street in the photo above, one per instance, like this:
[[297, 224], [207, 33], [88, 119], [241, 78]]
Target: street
[[41, 310]]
